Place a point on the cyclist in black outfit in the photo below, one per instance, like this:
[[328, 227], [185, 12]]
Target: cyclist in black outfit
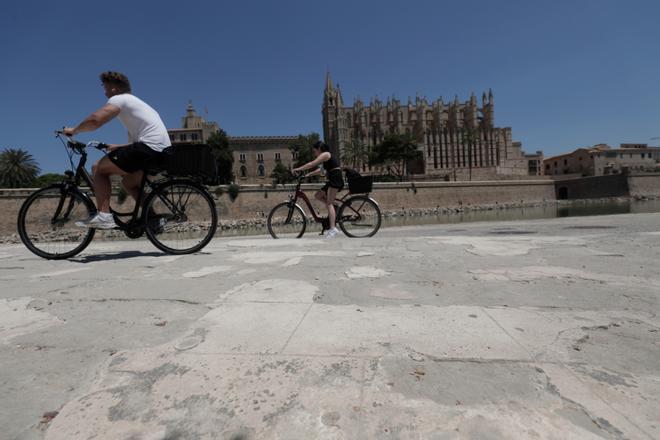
[[334, 184]]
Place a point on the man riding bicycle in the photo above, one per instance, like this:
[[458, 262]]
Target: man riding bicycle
[[147, 137]]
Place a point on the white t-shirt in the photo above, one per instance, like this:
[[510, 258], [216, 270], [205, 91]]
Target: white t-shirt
[[142, 122]]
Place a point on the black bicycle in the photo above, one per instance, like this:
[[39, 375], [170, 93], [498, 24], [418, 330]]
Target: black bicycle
[[358, 215], [178, 215]]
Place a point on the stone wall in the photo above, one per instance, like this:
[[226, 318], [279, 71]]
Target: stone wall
[[644, 185], [255, 201], [592, 187], [615, 185]]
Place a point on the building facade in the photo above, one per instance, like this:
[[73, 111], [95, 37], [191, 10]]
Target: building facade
[[601, 160], [255, 157], [457, 140]]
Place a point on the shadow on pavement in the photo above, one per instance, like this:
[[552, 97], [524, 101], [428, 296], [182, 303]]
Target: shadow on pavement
[[116, 256]]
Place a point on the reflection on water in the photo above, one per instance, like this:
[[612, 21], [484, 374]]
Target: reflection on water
[[575, 209]]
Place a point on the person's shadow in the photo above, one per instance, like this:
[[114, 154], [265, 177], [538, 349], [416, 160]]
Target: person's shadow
[[123, 256], [116, 256]]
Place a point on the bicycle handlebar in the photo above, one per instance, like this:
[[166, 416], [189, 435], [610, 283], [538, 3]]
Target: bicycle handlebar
[[79, 145]]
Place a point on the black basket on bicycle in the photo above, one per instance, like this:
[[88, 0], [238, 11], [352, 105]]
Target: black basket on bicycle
[[359, 184], [195, 160]]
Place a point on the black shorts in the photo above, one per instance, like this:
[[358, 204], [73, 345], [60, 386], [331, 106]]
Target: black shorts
[[136, 157], [335, 180]]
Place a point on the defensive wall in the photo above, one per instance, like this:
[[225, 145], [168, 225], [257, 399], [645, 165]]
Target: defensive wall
[[255, 201], [614, 185]]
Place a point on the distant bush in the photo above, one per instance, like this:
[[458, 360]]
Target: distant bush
[[48, 179], [233, 191]]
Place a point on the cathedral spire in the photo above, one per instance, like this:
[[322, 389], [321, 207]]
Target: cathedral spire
[[328, 81]]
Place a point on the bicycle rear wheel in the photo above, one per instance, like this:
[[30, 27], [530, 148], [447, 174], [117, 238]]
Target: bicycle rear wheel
[[47, 222], [180, 217], [287, 220], [359, 216]]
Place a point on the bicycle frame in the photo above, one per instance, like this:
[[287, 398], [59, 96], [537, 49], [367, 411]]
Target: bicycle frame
[[298, 193], [82, 175]]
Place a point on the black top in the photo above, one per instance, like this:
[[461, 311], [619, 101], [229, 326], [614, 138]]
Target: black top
[[330, 164]]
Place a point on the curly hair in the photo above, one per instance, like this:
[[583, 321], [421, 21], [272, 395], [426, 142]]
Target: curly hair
[[116, 79]]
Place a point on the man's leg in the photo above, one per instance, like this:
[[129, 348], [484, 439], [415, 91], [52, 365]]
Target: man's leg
[[132, 182], [102, 189]]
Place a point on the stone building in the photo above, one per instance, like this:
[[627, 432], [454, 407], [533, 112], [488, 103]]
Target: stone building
[[255, 157], [194, 129], [457, 140], [534, 163], [601, 159]]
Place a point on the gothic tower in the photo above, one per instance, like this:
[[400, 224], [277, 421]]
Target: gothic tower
[[333, 123]]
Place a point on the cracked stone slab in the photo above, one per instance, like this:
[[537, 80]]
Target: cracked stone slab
[[468, 400], [267, 257], [505, 246], [358, 272], [20, 316], [532, 273], [151, 395], [249, 327], [204, 271], [366, 331], [570, 387], [273, 290], [559, 336]]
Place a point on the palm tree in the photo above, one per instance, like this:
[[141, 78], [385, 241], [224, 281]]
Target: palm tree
[[17, 168], [355, 153]]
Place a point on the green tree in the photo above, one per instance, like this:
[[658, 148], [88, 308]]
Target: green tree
[[355, 154], [394, 153], [17, 168], [219, 143], [48, 179], [281, 174], [302, 148]]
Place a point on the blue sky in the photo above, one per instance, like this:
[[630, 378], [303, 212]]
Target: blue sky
[[564, 73]]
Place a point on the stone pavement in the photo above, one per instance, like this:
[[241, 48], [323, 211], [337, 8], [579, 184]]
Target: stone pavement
[[543, 329]]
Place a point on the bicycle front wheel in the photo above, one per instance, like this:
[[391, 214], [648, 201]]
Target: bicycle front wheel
[[180, 217], [287, 220], [359, 216], [47, 222]]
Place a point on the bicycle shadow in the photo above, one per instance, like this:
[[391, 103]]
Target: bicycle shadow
[[123, 255]]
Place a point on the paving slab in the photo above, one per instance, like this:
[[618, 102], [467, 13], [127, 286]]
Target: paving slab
[[540, 329]]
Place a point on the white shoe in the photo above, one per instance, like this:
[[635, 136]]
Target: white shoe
[[100, 220], [332, 233]]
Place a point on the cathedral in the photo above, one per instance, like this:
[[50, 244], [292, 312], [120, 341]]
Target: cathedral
[[457, 140]]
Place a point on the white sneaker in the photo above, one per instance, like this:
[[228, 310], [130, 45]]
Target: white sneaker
[[332, 233], [100, 220]]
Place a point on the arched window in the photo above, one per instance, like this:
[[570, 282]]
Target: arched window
[[261, 171], [243, 171]]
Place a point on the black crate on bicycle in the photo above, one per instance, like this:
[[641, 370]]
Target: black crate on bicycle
[[194, 160], [359, 184]]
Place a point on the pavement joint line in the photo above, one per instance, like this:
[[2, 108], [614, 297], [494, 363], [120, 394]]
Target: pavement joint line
[[529, 353], [297, 326], [102, 300], [431, 357], [363, 382], [604, 401]]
